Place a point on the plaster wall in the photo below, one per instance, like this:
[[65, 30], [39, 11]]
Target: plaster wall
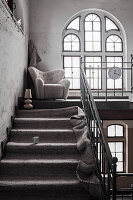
[[13, 62], [47, 19]]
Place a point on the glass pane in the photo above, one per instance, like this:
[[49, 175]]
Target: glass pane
[[74, 24], [110, 25], [118, 83], [88, 36], [67, 61], [110, 83], [120, 166], [67, 46], [119, 130], [76, 83], [76, 73], [118, 47], [75, 46], [119, 156], [96, 26], [68, 72], [96, 36], [111, 131], [97, 46], [110, 47], [88, 46], [76, 61], [88, 26], [112, 146], [119, 146]]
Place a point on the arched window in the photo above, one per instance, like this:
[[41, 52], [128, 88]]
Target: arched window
[[116, 141], [114, 43], [71, 43], [98, 38]]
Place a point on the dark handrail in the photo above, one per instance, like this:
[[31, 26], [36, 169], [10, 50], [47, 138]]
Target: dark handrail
[[106, 165]]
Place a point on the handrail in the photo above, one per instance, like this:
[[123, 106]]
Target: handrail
[[106, 165]]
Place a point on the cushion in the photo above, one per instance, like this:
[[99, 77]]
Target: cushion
[[53, 91]]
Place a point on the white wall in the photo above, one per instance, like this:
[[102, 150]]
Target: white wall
[[13, 62], [47, 19]]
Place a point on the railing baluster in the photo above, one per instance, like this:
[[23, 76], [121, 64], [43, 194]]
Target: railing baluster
[[106, 171]]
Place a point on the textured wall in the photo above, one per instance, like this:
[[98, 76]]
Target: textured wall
[[13, 62], [47, 19]]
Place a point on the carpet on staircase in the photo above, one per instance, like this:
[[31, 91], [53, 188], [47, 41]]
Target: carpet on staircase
[[51, 169]]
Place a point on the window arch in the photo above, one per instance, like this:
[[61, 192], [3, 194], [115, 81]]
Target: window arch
[[101, 37], [114, 43], [71, 43]]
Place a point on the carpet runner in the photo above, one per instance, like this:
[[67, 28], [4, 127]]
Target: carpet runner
[[46, 170]]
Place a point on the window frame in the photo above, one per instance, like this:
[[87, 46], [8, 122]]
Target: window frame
[[119, 139], [79, 43], [113, 51], [104, 35]]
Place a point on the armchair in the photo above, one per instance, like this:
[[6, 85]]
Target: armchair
[[49, 85]]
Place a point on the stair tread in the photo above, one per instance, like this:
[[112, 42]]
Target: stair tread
[[42, 130], [42, 144], [40, 161], [24, 182], [42, 119]]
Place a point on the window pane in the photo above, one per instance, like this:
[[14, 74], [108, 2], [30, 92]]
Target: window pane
[[74, 24], [96, 36], [76, 83], [119, 156], [114, 43], [119, 146], [76, 73], [93, 72], [72, 71], [71, 43], [68, 72], [119, 166], [88, 36], [119, 130], [111, 131], [76, 61], [88, 46], [110, 25], [112, 146], [67, 61], [97, 46], [96, 26]]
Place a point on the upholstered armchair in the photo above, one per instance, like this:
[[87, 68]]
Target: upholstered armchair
[[49, 85]]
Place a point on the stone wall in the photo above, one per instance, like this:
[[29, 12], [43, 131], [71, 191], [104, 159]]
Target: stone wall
[[13, 63]]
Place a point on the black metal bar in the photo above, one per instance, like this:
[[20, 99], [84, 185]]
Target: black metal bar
[[114, 186]]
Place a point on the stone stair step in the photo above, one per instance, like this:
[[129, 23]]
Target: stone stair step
[[42, 123], [45, 135]]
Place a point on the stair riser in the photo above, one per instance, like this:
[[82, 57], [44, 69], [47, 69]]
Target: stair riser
[[62, 194], [43, 151], [58, 137], [47, 171], [46, 113], [56, 124]]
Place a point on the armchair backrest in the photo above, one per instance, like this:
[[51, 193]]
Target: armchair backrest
[[53, 76]]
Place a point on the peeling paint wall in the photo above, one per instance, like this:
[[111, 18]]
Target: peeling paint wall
[[47, 19], [13, 62]]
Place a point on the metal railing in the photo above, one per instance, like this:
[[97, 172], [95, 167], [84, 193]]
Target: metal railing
[[111, 79], [106, 165]]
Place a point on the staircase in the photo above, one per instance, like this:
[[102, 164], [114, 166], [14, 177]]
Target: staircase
[[46, 170]]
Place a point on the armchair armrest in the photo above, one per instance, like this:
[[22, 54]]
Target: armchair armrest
[[66, 84], [39, 87]]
